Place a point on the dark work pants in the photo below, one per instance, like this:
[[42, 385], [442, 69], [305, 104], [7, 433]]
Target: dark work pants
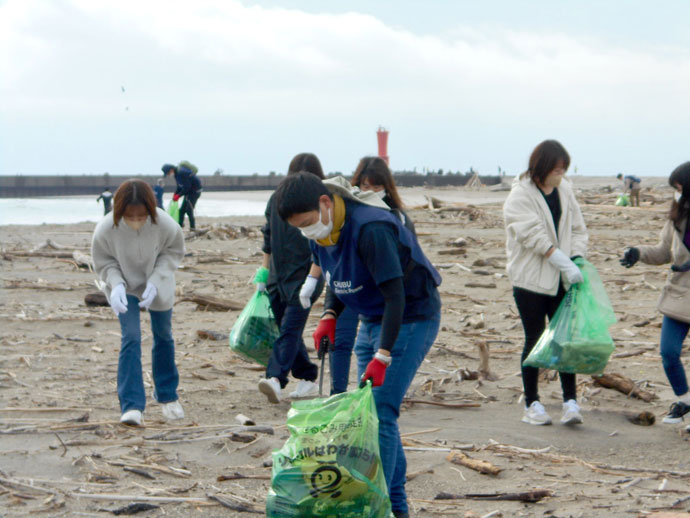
[[289, 352], [534, 308], [187, 208]]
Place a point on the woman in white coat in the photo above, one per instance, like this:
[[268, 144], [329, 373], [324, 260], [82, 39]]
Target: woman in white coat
[[545, 231]]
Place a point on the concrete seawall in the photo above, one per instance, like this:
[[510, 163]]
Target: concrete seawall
[[67, 185]]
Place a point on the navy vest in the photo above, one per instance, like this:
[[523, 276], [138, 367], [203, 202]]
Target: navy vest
[[348, 276]]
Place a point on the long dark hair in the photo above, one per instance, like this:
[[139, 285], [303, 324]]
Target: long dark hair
[[307, 162], [133, 192], [376, 171], [545, 158], [680, 209]]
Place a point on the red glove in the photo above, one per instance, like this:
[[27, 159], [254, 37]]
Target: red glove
[[376, 371], [176, 197], [326, 327]]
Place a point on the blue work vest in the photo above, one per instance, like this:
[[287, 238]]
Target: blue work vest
[[348, 275]]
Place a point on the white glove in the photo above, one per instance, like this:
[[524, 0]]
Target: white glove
[[118, 299], [307, 291], [260, 286], [149, 294], [569, 268]]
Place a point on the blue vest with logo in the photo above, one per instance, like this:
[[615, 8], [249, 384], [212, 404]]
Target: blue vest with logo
[[349, 277]]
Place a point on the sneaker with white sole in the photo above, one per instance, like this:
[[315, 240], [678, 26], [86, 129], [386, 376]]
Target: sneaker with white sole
[[536, 414], [132, 417], [676, 413], [305, 389], [571, 413], [270, 387], [172, 411]]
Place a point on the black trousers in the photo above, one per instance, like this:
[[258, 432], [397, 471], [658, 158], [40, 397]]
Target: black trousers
[[187, 208], [534, 308]]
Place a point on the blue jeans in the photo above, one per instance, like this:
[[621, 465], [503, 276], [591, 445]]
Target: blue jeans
[[345, 334], [414, 341], [673, 333], [289, 352], [130, 383]]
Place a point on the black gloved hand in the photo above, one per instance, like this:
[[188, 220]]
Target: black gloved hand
[[630, 257], [682, 268]]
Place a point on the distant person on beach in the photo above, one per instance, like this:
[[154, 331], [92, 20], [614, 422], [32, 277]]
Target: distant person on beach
[[545, 232], [287, 256], [674, 248], [188, 185], [158, 190], [372, 174], [631, 184], [136, 250], [107, 198], [374, 266]]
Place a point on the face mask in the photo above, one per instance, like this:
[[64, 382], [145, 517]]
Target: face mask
[[381, 194], [318, 230], [677, 196], [135, 224]]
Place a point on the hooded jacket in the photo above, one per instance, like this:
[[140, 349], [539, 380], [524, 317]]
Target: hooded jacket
[[531, 233]]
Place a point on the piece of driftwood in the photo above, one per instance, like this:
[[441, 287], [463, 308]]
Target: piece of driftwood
[[488, 285], [243, 508], [239, 476], [482, 466], [528, 496], [132, 509], [209, 303], [640, 418], [211, 335], [624, 385], [415, 474], [97, 299], [452, 251], [484, 370], [439, 403], [244, 420]]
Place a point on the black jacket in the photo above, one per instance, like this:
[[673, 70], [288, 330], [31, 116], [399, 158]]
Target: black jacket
[[291, 257]]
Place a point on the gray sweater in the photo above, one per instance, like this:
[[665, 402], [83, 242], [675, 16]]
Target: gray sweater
[[133, 257]]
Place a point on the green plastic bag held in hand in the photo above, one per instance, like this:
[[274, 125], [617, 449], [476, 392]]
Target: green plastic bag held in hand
[[577, 339], [330, 465], [255, 330], [174, 210]]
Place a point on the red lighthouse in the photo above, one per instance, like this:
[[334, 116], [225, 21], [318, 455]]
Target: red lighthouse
[[382, 138]]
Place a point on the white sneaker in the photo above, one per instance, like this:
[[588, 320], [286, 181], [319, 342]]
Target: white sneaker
[[571, 413], [536, 414], [132, 417], [172, 410], [305, 389], [271, 388]]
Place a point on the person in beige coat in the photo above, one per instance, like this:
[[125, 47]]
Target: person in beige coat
[[545, 229], [674, 248]]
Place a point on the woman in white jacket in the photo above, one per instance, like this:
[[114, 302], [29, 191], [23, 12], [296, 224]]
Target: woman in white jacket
[[136, 249], [545, 229]]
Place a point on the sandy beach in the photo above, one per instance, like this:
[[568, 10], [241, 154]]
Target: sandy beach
[[62, 450]]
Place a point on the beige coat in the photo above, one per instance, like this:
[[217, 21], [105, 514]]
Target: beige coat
[[670, 249], [531, 233]]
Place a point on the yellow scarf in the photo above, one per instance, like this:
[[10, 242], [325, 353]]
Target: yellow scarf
[[338, 222]]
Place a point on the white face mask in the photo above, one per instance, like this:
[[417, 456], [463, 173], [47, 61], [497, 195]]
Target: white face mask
[[135, 224], [381, 194], [677, 196], [318, 230]]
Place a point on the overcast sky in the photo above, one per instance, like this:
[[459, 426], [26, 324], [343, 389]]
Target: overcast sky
[[89, 86]]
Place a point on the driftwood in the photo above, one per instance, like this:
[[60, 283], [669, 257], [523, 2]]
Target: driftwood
[[528, 496], [97, 299], [640, 418], [624, 385], [439, 403], [453, 251], [239, 476], [484, 369], [415, 474], [243, 508], [211, 335], [488, 285], [209, 303], [482, 466]]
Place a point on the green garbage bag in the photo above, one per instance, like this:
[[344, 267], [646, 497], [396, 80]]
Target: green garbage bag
[[174, 210], [330, 465], [255, 330], [623, 201], [577, 339]]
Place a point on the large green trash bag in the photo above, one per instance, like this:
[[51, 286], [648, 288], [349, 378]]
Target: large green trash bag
[[330, 465], [577, 339], [255, 330], [622, 201], [174, 210]]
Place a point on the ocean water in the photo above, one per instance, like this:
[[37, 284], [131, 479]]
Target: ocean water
[[77, 209]]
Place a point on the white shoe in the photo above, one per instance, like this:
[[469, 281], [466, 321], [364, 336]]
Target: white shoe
[[132, 417], [172, 411], [271, 388], [305, 389], [536, 414], [571, 413]]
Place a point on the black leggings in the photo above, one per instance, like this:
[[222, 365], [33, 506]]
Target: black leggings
[[534, 308]]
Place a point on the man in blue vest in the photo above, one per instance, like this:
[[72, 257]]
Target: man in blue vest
[[633, 185], [375, 266]]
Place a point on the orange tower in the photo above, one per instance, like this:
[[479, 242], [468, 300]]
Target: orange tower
[[382, 138]]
